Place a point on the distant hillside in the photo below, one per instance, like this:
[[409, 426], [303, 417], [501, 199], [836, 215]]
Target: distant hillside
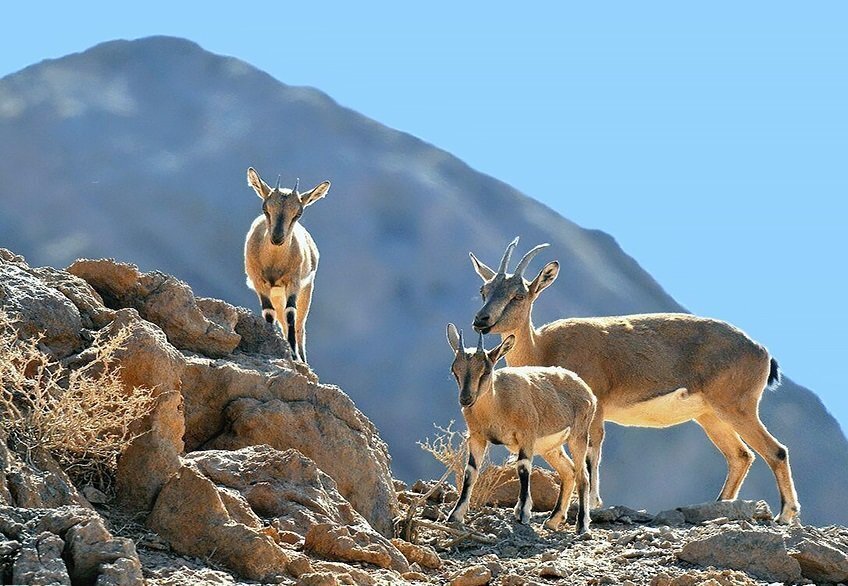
[[137, 150]]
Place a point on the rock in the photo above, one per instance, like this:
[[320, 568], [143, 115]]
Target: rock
[[424, 555], [544, 487], [40, 561], [163, 300], [475, 575], [822, 559], [245, 401], [146, 359], [35, 480], [615, 514], [732, 510], [200, 520], [413, 576], [553, 570], [317, 579], [94, 496], [351, 544], [91, 548], [671, 517], [258, 336], [758, 553], [39, 310]]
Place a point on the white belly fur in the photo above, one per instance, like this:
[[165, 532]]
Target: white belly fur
[[554, 441], [664, 411]]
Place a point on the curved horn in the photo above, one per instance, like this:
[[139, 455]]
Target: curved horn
[[461, 343], [522, 264], [278, 182], [296, 184], [480, 342], [507, 254]]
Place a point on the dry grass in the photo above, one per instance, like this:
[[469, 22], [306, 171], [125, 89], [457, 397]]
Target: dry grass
[[81, 417], [450, 447]]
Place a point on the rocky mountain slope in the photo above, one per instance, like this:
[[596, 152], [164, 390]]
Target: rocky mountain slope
[[138, 150], [248, 469]]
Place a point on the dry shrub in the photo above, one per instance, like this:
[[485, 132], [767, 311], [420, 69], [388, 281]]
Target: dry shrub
[[450, 447], [81, 417]]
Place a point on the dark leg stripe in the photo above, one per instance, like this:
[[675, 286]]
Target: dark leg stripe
[[290, 315]]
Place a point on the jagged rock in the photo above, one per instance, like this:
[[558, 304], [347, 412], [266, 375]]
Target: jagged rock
[[758, 553], [146, 359], [821, 559], [39, 310], [91, 548], [553, 570], [35, 480], [732, 510], [423, 555], [40, 561], [291, 493], [352, 544], [94, 496], [544, 487], [476, 575], [615, 514], [247, 401], [199, 519], [258, 336], [161, 299]]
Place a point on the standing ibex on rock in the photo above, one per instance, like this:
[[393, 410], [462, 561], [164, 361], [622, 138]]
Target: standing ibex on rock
[[530, 410], [651, 370], [280, 258]]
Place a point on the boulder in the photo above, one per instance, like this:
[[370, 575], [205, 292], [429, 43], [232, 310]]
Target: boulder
[[823, 557], [731, 510], [40, 561], [163, 300], [476, 575], [292, 495], [65, 544], [39, 310], [352, 544], [248, 400], [200, 519], [758, 553], [423, 555], [34, 480]]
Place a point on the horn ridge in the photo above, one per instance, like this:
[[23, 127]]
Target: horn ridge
[[278, 182], [480, 342], [522, 264], [296, 185], [506, 256]]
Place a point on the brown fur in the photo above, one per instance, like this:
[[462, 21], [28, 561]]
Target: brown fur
[[650, 370], [530, 410], [278, 271]]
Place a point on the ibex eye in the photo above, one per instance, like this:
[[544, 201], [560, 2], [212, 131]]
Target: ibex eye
[[520, 297]]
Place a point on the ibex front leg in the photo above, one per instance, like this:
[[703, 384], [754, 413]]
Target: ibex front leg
[[476, 453]]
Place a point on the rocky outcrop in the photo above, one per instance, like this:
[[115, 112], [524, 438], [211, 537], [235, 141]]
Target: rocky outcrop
[[758, 553], [245, 508], [63, 546], [33, 479]]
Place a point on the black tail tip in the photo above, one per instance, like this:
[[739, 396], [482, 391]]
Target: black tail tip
[[774, 376]]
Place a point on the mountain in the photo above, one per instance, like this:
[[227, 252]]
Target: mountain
[[137, 150]]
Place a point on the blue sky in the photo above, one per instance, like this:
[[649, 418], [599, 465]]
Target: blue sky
[[711, 140]]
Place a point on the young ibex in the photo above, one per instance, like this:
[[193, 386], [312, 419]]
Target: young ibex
[[280, 258], [652, 370], [530, 410]]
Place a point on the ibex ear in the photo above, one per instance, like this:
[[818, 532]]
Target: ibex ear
[[315, 193], [545, 278], [501, 350], [261, 188], [453, 337], [485, 272]]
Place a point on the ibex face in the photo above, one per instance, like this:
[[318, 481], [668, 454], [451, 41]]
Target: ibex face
[[508, 298], [473, 370], [283, 207]]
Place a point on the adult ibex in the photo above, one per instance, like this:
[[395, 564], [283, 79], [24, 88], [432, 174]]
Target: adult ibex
[[651, 370]]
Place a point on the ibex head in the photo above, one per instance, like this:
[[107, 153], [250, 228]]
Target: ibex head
[[508, 298], [283, 207], [473, 369]]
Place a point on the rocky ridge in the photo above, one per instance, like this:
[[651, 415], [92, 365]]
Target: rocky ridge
[[248, 469]]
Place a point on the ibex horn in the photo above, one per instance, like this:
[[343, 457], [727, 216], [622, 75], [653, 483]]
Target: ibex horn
[[507, 254], [522, 264]]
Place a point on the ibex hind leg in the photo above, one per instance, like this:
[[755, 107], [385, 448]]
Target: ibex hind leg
[[291, 317]]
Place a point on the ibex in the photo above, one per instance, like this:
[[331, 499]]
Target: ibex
[[651, 370], [530, 410], [280, 258]]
